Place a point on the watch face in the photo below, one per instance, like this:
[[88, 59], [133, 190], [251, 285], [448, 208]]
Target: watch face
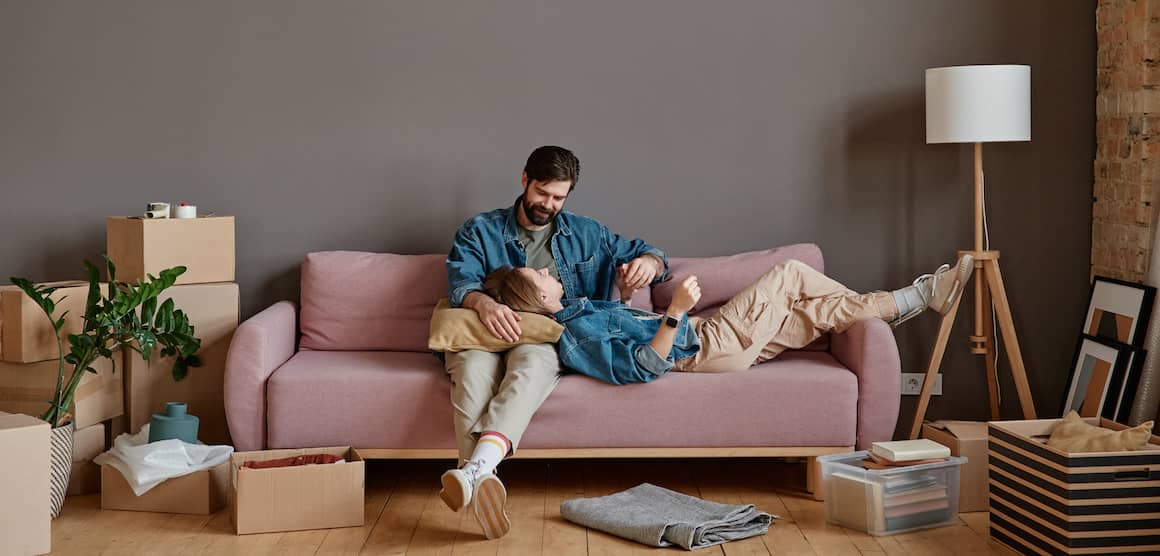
[[671, 321]]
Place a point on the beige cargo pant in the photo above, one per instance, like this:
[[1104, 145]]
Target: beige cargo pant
[[499, 392], [789, 307]]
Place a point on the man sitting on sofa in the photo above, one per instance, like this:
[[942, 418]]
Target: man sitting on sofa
[[495, 394]]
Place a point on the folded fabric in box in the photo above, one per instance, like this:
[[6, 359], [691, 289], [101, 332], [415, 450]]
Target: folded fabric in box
[[147, 464], [294, 461]]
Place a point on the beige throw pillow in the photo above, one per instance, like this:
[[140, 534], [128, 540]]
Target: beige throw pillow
[[455, 330], [1073, 434]]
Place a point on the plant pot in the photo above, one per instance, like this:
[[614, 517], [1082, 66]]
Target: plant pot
[[60, 464]]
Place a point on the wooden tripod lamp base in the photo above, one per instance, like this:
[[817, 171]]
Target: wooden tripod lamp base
[[989, 294]]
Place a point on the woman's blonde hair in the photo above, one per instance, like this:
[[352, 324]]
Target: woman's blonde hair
[[514, 289]]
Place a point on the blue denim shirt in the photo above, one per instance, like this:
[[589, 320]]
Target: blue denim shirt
[[609, 341], [586, 253]]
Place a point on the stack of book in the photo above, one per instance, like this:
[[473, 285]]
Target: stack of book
[[894, 487], [911, 499], [904, 453]]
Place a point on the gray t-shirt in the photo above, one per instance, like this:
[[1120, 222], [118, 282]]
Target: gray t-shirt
[[538, 245]]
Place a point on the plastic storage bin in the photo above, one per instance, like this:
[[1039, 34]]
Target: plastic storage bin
[[888, 501]]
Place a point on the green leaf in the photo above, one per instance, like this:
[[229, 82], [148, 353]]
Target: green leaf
[[112, 269], [180, 369]]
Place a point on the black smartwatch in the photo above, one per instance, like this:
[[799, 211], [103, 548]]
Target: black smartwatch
[[672, 321]]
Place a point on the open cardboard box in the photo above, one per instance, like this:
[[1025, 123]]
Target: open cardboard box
[[297, 498], [202, 492]]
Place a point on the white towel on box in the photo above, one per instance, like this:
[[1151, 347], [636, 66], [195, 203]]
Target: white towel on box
[[147, 464]]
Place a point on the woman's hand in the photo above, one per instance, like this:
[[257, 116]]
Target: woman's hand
[[687, 294], [500, 319]]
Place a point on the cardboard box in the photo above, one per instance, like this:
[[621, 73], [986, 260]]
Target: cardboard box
[[202, 493], [26, 335], [205, 246], [24, 387], [85, 478], [25, 519], [88, 442], [1044, 500], [967, 439], [297, 498], [213, 312]]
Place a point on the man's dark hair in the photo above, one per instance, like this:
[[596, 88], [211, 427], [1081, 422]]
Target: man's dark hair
[[550, 163]]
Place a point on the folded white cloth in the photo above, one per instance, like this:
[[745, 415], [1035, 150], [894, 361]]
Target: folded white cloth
[[146, 465]]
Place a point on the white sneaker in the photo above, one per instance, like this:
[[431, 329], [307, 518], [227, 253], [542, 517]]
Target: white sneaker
[[458, 485], [490, 507]]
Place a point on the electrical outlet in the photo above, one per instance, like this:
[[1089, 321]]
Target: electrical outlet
[[912, 384]]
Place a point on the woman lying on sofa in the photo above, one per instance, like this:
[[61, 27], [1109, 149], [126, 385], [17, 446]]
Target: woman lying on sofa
[[787, 308]]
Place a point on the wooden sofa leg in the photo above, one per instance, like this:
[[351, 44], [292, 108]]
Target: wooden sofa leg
[[814, 478]]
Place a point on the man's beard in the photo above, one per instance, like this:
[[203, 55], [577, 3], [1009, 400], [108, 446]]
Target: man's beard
[[534, 216]]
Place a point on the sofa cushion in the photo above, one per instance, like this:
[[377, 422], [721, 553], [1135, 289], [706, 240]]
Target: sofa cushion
[[367, 301], [723, 277], [401, 400], [368, 399]]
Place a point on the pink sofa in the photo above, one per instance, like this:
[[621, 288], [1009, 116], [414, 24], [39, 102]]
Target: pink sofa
[[352, 368]]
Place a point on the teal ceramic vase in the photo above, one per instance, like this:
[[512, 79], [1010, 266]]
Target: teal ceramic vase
[[174, 423]]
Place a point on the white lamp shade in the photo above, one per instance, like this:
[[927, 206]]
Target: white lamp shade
[[978, 104]]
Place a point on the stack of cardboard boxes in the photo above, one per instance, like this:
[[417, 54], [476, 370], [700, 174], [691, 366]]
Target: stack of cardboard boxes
[[29, 365], [127, 390], [206, 293]]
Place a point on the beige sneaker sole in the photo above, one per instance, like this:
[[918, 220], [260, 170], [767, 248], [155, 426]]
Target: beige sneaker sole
[[455, 493], [490, 506]]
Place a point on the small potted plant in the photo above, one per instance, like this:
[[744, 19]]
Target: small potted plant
[[127, 316]]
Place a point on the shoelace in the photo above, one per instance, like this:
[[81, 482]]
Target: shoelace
[[471, 468], [921, 281]]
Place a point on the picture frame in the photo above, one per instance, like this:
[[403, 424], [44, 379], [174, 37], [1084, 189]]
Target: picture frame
[[1096, 363], [1122, 391], [1118, 310]]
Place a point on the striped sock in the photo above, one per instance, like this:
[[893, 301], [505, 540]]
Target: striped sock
[[489, 451]]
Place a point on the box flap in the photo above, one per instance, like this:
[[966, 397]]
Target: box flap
[[967, 430], [19, 421]]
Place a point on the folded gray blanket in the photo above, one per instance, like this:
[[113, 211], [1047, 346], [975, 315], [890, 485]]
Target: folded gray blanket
[[657, 516]]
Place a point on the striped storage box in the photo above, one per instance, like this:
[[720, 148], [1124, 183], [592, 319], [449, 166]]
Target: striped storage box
[[1045, 501]]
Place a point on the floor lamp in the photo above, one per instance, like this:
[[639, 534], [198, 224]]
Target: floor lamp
[[980, 104]]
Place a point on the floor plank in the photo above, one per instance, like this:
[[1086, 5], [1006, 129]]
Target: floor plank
[[405, 515], [346, 541]]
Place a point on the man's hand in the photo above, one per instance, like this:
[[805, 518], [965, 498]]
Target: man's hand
[[687, 294], [636, 274], [499, 319]]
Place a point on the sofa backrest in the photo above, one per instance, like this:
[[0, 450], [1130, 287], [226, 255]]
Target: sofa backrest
[[723, 277], [369, 301], [355, 300]]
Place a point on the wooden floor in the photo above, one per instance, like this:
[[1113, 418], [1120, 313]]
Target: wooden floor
[[404, 515]]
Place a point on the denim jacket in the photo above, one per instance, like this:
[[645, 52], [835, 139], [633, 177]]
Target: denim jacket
[[586, 253], [609, 341]]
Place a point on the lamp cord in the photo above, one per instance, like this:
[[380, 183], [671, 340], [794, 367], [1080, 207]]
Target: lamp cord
[[987, 247]]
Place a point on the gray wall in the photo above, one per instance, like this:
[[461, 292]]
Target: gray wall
[[706, 127]]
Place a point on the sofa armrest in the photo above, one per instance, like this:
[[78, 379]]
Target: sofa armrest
[[261, 344], [868, 349]]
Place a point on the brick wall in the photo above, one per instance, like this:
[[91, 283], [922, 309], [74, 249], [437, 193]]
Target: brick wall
[[1127, 164]]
